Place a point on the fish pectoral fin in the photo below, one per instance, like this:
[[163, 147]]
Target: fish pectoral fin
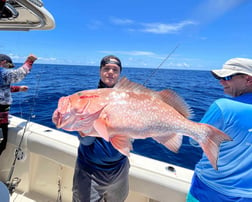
[[172, 141], [122, 143], [101, 128], [82, 134], [87, 118]]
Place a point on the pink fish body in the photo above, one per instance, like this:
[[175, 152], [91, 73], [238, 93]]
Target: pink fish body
[[131, 111]]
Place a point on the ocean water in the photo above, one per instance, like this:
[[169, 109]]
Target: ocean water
[[47, 83]]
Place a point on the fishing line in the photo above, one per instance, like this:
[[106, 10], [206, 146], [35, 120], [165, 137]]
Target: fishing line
[[166, 58], [10, 184], [34, 95], [191, 141]]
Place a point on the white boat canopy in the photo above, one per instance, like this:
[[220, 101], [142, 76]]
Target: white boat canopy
[[25, 15]]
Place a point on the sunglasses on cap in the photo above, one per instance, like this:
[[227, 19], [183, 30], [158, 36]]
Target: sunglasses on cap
[[228, 78]]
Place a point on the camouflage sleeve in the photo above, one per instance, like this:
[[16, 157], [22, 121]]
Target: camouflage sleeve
[[15, 89], [15, 75]]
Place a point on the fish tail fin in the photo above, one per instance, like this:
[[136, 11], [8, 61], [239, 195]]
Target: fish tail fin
[[211, 145]]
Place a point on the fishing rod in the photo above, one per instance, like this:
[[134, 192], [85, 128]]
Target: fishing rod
[[164, 60], [191, 141], [12, 184]]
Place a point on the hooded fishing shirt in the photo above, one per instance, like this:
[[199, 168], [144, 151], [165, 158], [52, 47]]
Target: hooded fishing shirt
[[96, 153], [234, 175]]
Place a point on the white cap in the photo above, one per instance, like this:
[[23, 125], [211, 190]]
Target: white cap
[[234, 66]]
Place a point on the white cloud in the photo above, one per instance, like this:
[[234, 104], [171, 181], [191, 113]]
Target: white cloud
[[119, 21], [184, 64], [156, 28], [15, 57], [95, 24], [161, 28], [132, 53], [212, 9], [51, 59], [21, 59]]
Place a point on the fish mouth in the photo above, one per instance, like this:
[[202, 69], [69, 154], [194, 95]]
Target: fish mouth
[[74, 119], [63, 116], [58, 115], [56, 118], [61, 120]]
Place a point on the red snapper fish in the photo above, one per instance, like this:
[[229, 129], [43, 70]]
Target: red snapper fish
[[131, 111]]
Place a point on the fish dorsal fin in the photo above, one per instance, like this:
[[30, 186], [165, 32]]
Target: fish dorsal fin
[[167, 96], [125, 84], [178, 103]]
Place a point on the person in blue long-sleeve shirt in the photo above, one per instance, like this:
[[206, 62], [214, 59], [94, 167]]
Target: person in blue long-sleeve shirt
[[232, 181]]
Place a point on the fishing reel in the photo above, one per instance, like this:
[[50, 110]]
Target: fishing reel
[[11, 185], [20, 154]]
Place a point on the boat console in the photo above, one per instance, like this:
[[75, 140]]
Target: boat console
[[24, 15]]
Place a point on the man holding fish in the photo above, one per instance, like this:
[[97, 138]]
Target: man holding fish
[[101, 172]]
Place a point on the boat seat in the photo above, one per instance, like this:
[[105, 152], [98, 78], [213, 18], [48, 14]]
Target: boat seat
[[4, 193]]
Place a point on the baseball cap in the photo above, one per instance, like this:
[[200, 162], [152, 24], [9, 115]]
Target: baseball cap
[[7, 58], [107, 60], [234, 66]]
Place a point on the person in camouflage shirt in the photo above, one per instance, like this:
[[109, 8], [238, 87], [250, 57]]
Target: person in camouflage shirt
[[7, 77]]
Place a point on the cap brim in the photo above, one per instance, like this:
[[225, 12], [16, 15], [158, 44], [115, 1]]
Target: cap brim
[[219, 73]]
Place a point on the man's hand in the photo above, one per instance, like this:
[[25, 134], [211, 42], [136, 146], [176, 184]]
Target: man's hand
[[23, 88], [30, 60]]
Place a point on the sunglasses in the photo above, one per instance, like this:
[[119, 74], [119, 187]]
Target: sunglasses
[[228, 78]]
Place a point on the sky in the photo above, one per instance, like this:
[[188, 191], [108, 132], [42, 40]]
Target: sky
[[175, 34]]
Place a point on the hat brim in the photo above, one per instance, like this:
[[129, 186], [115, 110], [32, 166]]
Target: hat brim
[[219, 73]]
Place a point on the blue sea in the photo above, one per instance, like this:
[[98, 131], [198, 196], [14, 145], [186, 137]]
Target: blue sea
[[47, 83]]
